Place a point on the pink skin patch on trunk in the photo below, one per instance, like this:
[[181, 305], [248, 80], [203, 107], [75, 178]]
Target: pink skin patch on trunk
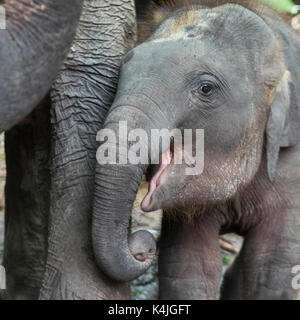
[[155, 182]]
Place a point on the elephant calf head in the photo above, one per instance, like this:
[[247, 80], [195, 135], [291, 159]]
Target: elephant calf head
[[221, 69]]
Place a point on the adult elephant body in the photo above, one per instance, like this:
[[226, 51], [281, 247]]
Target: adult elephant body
[[51, 154], [231, 70], [37, 38]]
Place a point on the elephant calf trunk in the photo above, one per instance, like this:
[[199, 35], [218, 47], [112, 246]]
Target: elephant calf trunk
[[120, 256]]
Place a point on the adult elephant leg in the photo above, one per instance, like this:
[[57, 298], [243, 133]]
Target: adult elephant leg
[[81, 96], [27, 203], [190, 264]]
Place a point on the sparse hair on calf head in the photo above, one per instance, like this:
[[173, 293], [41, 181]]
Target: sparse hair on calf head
[[147, 24]]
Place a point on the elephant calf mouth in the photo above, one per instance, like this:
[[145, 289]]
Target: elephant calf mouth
[[158, 179]]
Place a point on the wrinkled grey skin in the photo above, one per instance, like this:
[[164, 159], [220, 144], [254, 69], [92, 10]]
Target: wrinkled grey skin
[[251, 181], [32, 48], [48, 250], [81, 96]]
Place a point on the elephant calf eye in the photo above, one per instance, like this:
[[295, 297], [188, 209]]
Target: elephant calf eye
[[206, 89]]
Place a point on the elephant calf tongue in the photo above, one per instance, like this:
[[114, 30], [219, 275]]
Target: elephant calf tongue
[[166, 159]]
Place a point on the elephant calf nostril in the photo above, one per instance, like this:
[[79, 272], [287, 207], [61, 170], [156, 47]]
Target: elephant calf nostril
[[142, 246], [140, 257]]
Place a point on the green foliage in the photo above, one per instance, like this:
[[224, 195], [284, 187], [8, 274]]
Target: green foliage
[[282, 5], [1, 140], [226, 260]]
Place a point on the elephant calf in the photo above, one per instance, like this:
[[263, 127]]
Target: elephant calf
[[231, 69]]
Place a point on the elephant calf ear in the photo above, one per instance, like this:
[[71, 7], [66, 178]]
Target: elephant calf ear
[[283, 124]]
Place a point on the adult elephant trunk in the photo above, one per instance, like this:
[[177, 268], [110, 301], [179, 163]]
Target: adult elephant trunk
[[33, 43], [120, 256]]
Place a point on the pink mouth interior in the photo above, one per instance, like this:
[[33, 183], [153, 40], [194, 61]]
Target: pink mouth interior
[[166, 159]]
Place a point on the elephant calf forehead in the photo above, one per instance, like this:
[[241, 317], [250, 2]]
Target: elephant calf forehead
[[231, 23]]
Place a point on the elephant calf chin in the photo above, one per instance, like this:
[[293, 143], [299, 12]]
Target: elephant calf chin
[[230, 70]]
